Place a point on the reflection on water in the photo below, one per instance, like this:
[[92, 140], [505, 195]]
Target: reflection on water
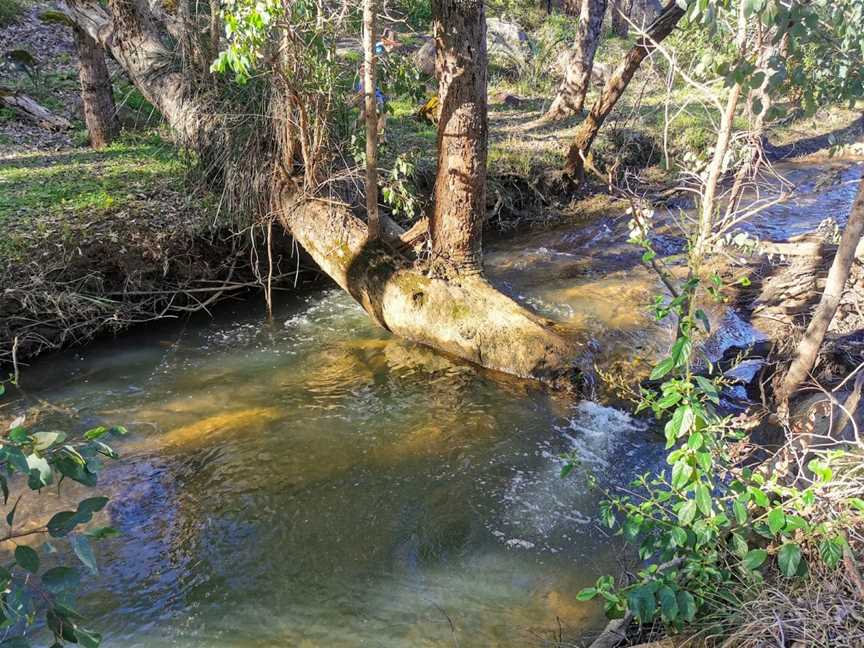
[[314, 482], [311, 481]]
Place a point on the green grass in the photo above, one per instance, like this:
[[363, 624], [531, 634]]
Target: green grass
[[79, 184], [10, 11]]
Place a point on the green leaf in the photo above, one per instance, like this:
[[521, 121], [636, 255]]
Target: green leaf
[[41, 474], [566, 469], [681, 474], [759, 496], [94, 433], [17, 459], [44, 440], [18, 434], [702, 317], [776, 520], [668, 603], [857, 503], [789, 558], [102, 532], [703, 499], [739, 545], [754, 558], [27, 558], [642, 604], [679, 536], [59, 579], [92, 505], [795, 522], [87, 638], [586, 594], [740, 512], [831, 552], [686, 606], [81, 547], [695, 441], [10, 516], [664, 367], [687, 512]]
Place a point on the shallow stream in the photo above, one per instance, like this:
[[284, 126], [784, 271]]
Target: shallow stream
[[312, 481]]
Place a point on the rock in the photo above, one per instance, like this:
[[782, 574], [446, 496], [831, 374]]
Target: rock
[[424, 58], [506, 40]]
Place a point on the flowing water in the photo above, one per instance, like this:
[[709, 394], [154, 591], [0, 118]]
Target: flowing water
[[311, 481]]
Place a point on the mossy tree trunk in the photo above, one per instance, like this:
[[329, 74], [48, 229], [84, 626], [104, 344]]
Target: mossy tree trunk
[[450, 307], [100, 115]]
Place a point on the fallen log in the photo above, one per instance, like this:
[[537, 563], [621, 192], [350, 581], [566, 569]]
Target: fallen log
[[29, 108]]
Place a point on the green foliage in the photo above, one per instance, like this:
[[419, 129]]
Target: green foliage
[[36, 584], [397, 191], [705, 527]]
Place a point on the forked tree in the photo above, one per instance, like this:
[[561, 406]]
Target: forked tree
[[447, 303]]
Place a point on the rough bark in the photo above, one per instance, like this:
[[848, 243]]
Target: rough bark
[[465, 317], [138, 46], [615, 86], [620, 11], [30, 109], [571, 94], [456, 222], [371, 114], [462, 315], [809, 346], [100, 115]]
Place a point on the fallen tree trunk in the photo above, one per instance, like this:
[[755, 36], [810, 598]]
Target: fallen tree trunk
[[574, 167], [465, 317], [28, 108]]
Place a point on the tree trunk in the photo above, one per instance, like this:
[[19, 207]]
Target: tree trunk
[[100, 115], [467, 318], [141, 51], [371, 113], [614, 88], [28, 108], [572, 7], [456, 223], [462, 315], [809, 346], [621, 10], [571, 94]]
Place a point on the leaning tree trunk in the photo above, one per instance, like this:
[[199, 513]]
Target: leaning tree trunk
[[615, 86], [462, 314], [100, 115], [571, 94], [456, 223], [809, 346]]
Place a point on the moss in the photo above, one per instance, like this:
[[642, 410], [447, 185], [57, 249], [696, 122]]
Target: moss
[[460, 311]]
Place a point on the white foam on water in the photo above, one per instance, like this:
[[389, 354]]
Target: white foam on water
[[539, 506]]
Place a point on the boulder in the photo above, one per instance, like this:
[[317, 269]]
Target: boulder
[[424, 58], [506, 40]]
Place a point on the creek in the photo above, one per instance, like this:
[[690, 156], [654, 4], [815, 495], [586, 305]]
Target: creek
[[312, 481]]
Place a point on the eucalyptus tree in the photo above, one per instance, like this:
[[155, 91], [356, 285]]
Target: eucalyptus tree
[[285, 50]]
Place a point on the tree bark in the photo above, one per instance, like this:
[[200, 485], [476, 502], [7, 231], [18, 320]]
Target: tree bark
[[621, 10], [467, 318], [571, 94], [459, 313], [460, 186], [808, 348], [28, 108], [614, 88], [100, 115], [371, 113]]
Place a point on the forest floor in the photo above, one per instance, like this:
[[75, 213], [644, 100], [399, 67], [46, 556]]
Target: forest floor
[[98, 240]]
